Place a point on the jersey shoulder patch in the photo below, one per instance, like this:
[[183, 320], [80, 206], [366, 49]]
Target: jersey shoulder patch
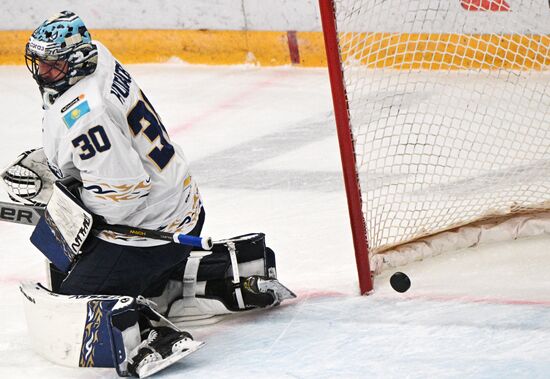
[[74, 114], [72, 102]]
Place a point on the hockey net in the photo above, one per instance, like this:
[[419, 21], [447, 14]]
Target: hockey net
[[442, 110]]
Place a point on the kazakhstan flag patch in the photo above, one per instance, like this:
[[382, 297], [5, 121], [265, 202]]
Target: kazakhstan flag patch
[[74, 114]]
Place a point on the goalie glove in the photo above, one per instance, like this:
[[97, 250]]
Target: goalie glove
[[29, 180]]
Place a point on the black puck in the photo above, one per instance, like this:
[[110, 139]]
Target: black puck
[[400, 282]]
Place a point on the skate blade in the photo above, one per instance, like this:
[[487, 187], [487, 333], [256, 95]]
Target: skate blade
[[274, 285], [154, 367], [285, 294]]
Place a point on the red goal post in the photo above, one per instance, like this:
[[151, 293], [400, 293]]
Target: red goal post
[[443, 121], [347, 148]]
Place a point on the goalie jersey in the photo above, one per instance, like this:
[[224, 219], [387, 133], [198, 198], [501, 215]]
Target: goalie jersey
[[104, 132]]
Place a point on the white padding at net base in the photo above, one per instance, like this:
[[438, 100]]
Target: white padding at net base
[[464, 237]]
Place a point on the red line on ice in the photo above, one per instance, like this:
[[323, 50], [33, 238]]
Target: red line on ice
[[484, 300], [229, 102]]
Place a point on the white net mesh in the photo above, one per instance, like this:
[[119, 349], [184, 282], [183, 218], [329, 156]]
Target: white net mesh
[[449, 109]]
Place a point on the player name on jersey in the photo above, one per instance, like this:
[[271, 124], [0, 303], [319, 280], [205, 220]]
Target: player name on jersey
[[121, 83]]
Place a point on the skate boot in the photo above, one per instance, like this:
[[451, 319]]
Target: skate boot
[[260, 291], [162, 347]]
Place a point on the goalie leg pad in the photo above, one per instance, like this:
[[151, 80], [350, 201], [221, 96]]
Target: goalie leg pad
[[78, 331], [91, 330], [213, 282]]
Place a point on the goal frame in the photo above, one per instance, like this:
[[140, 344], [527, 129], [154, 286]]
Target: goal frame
[[347, 148]]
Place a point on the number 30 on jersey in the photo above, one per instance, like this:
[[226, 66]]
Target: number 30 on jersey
[[95, 140]]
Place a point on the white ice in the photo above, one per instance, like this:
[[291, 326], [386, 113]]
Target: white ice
[[262, 145]]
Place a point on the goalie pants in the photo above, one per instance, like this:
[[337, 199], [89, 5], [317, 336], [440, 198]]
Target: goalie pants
[[106, 268]]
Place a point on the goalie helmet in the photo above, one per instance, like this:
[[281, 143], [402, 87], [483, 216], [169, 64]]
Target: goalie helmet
[[59, 53]]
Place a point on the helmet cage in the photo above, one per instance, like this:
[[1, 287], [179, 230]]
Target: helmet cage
[[33, 60]]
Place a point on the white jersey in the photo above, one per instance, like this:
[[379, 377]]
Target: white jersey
[[104, 132]]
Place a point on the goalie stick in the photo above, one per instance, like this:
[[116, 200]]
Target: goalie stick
[[181, 238], [20, 213], [30, 215]]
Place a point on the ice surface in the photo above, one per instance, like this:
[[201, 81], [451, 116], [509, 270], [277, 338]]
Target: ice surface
[[262, 146]]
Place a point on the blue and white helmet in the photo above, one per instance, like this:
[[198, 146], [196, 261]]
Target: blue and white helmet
[[60, 52]]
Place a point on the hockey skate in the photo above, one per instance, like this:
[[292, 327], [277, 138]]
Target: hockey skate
[[265, 292], [162, 347]]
